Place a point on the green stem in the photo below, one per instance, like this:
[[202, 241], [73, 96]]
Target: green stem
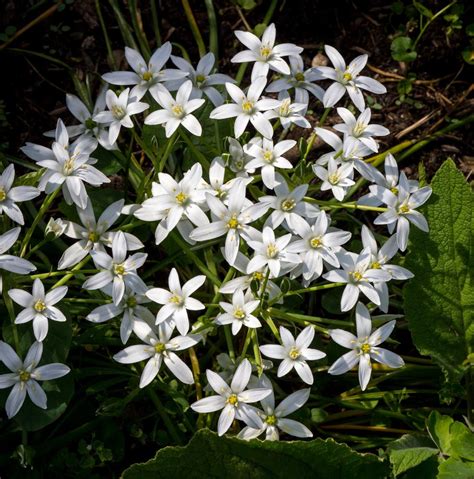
[[350, 206], [138, 28], [168, 150], [11, 310], [203, 160], [194, 27], [431, 20], [156, 24], [106, 35], [213, 32], [44, 208], [314, 288], [164, 416], [73, 272], [229, 341]]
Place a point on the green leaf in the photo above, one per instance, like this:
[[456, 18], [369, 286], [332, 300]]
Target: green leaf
[[426, 12], [207, 455], [439, 300], [455, 469], [463, 445], [438, 427], [409, 451], [402, 49]]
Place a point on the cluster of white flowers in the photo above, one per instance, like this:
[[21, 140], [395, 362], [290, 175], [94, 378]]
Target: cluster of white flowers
[[264, 218]]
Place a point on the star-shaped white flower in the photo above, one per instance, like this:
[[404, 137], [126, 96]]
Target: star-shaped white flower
[[239, 312], [177, 300], [247, 108], [233, 399], [39, 307], [294, 353], [25, 375], [158, 348], [264, 52], [177, 111], [10, 196], [364, 347], [10, 262]]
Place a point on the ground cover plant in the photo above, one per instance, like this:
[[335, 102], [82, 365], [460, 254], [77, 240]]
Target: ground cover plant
[[226, 255]]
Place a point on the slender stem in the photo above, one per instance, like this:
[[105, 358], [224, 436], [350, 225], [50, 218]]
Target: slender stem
[[156, 24], [194, 27], [73, 272], [228, 340], [164, 415], [256, 352], [313, 136], [204, 161], [168, 150], [431, 20], [106, 35], [314, 288], [213, 33], [138, 28], [196, 372], [44, 208], [349, 206]]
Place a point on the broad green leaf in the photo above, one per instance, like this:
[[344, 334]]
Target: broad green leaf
[[455, 469], [208, 455], [439, 300], [402, 49], [439, 430], [409, 451], [463, 445]]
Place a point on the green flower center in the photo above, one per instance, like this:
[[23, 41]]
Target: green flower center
[[271, 420], [272, 250], [90, 124], [333, 178], [268, 156], [175, 299], [265, 52], [394, 190], [288, 204], [356, 275], [365, 348], [24, 376], [3, 195], [147, 76], [200, 78], [299, 76], [181, 198], [131, 302], [119, 269], [118, 112], [258, 276], [93, 236], [159, 348], [40, 306], [177, 110], [403, 209], [347, 76], [375, 265], [233, 223]]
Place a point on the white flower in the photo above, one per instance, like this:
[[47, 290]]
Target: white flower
[[176, 112], [402, 209], [25, 375], [9, 262], [287, 204], [9, 196], [379, 260], [289, 113], [388, 181], [130, 309], [158, 348], [244, 282], [299, 79], [347, 78], [118, 269], [175, 204], [336, 178], [364, 347], [247, 107], [317, 244], [360, 128], [94, 235], [239, 312], [217, 185], [231, 220], [39, 307], [120, 108], [55, 228], [271, 252], [233, 399], [357, 274], [239, 158], [177, 300], [87, 126], [274, 418], [294, 353], [264, 52], [268, 156], [202, 79], [67, 165], [144, 76]]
